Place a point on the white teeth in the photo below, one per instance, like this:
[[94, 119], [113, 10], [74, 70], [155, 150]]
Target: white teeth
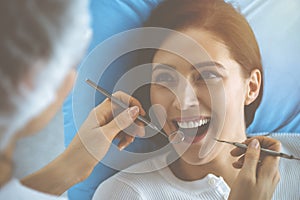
[[193, 124]]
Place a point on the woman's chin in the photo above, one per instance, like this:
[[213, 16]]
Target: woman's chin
[[193, 156]]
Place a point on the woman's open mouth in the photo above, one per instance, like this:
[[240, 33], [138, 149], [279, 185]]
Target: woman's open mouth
[[194, 129]]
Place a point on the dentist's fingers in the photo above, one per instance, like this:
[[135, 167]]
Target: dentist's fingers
[[119, 123], [106, 110], [251, 160], [125, 141], [102, 125], [259, 174], [265, 142], [129, 99], [270, 164], [239, 163], [237, 152], [128, 135], [97, 140], [139, 129]]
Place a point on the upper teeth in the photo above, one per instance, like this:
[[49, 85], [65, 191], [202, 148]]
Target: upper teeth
[[193, 124]]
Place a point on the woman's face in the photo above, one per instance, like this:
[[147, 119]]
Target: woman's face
[[205, 100]]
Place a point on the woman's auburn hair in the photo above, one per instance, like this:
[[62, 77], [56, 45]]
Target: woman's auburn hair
[[223, 21]]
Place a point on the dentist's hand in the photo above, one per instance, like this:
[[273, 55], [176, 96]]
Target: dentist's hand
[[259, 173], [89, 146], [106, 122]]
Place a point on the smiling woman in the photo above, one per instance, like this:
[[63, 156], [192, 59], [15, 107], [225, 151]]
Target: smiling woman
[[203, 94], [206, 95]]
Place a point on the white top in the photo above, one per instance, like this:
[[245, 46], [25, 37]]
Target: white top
[[14, 190], [163, 184], [160, 184]]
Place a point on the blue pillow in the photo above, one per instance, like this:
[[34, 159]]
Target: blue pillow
[[108, 18], [276, 25]]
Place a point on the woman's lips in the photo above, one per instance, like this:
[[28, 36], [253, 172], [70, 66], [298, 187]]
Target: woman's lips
[[194, 128], [194, 139]]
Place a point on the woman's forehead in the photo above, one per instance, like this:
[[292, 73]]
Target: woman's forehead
[[207, 49]]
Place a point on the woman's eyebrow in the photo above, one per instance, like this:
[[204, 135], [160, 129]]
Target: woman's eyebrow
[[208, 64], [193, 67], [163, 66]]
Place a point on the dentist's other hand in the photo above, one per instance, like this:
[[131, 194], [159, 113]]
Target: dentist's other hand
[[259, 173]]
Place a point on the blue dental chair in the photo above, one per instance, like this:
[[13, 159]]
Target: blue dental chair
[[276, 25]]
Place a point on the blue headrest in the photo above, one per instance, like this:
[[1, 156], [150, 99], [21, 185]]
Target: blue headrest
[[108, 18], [276, 25]]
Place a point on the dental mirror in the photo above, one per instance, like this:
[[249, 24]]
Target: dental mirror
[[176, 137]]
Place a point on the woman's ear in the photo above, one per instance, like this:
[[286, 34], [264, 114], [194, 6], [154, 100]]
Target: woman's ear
[[253, 86]]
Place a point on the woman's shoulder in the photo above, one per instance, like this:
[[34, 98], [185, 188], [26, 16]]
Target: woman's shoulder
[[290, 142], [287, 139], [289, 169]]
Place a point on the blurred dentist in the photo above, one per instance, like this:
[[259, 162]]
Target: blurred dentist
[[40, 43]]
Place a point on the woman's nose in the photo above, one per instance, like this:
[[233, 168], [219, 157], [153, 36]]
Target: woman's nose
[[186, 97]]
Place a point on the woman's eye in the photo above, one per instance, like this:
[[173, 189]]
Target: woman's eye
[[205, 75], [164, 78]]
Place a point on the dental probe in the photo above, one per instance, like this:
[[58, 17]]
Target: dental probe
[[267, 151], [123, 105]]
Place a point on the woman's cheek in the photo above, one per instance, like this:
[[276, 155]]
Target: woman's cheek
[[161, 100], [161, 95]]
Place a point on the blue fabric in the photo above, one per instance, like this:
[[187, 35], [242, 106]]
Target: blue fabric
[[108, 18], [276, 25]]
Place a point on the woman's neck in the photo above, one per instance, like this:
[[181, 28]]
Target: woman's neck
[[221, 165]]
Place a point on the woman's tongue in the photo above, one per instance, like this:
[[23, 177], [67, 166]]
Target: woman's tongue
[[195, 134]]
